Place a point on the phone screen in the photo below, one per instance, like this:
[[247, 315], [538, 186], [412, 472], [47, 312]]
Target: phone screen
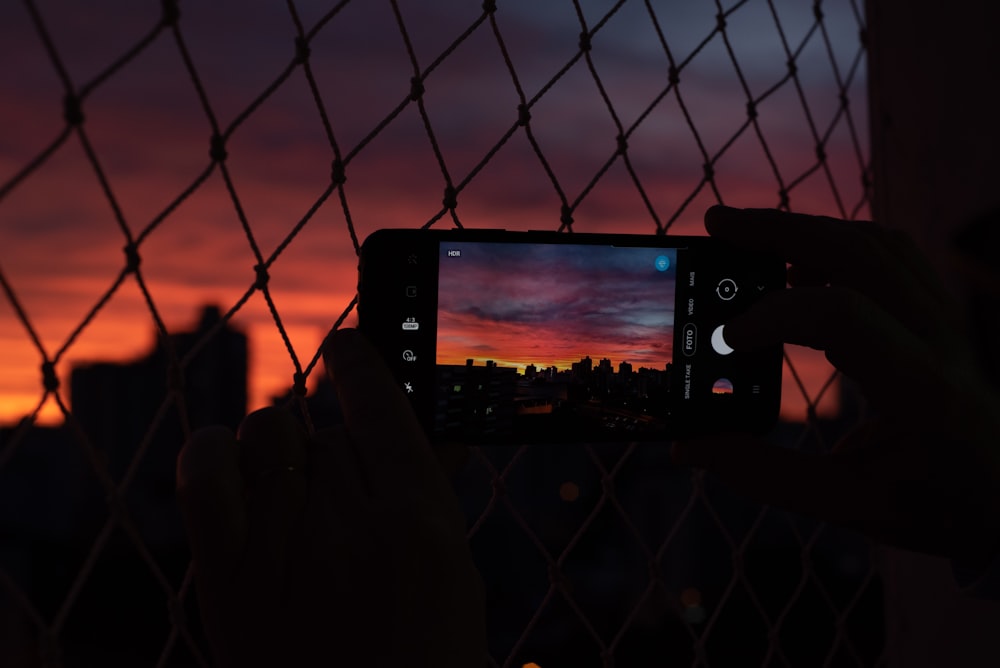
[[554, 337], [502, 337]]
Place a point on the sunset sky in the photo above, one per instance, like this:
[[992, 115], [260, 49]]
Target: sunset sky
[[61, 234], [552, 305]]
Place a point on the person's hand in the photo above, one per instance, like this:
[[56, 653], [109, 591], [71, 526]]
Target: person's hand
[[924, 472], [346, 548]]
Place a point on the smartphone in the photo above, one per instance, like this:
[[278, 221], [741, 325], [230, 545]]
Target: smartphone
[[502, 337]]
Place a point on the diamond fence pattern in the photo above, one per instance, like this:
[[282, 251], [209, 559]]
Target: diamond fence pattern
[[593, 555]]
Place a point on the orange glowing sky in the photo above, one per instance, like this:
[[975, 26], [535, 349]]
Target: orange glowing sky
[[61, 242]]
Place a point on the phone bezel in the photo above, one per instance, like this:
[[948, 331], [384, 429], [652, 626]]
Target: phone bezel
[[392, 259]]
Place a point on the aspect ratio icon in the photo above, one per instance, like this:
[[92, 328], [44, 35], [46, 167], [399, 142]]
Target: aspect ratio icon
[[726, 289], [411, 325]]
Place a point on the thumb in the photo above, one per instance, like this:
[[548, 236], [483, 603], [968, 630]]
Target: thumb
[[210, 495]]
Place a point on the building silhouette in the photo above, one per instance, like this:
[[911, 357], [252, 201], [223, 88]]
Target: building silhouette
[[49, 486], [115, 402], [120, 407]]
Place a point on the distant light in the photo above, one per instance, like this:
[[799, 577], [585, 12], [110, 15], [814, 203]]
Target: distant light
[[693, 612], [531, 665], [569, 491], [690, 596]]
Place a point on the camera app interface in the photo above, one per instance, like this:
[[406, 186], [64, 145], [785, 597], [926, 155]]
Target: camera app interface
[[536, 339]]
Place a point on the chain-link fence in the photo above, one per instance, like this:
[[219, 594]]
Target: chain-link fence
[[159, 156]]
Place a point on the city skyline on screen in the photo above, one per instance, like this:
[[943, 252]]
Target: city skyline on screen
[[553, 305]]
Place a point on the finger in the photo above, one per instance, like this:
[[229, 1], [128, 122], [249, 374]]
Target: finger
[[859, 338], [210, 494], [824, 249], [271, 438], [804, 276], [335, 470], [879, 263], [347, 549], [273, 460], [824, 244], [388, 438]]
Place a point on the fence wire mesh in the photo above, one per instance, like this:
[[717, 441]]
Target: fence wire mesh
[[238, 155]]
